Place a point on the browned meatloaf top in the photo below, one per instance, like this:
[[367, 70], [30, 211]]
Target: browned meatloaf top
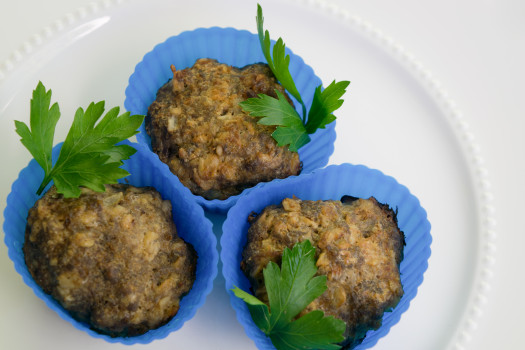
[[112, 259], [198, 128], [358, 247]]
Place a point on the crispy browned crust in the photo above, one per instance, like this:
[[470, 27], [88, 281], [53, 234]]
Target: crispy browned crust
[[198, 128], [112, 259], [358, 247]]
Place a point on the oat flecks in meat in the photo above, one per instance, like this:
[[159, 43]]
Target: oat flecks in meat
[[198, 128], [358, 247], [112, 259]]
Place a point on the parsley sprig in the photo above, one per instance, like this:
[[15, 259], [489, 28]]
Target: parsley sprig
[[292, 129], [89, 156], [290, 289]]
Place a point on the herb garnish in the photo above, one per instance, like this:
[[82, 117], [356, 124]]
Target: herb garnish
[[290, 290], [89, 156], [292, 129]]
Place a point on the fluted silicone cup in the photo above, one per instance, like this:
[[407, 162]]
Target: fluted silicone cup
[[332, 182], [234, 47], [146, 170]]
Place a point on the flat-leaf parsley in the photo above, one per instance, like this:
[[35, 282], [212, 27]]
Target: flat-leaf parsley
[[290, 289], [89, 156], [291, 129]]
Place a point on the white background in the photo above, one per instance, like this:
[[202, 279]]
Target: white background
[[476, 50]]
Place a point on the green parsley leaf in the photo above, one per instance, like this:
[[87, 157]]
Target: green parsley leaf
[[324, 103], [277, 111], [89, 156], [280, 62], [292, 129], [274, 111], [290, 289], [43, 120], [293, 135]]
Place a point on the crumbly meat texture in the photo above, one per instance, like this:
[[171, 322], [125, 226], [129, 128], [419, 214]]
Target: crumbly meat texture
[[198, 128], [112, 259], [358, 247]]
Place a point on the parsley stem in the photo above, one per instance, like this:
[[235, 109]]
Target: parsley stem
[[43, 185], [304, 113]]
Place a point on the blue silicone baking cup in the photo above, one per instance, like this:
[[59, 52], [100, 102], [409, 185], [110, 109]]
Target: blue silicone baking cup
[[146, 170], [234, 47], [332, 183]]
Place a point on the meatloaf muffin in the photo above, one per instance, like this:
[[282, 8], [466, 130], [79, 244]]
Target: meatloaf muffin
[[112, 259], [198, 128], [358, 247]]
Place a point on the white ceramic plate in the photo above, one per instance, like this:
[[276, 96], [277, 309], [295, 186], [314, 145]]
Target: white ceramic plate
[[394, 119]]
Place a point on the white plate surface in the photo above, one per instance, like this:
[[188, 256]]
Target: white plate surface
[[394, 119]]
